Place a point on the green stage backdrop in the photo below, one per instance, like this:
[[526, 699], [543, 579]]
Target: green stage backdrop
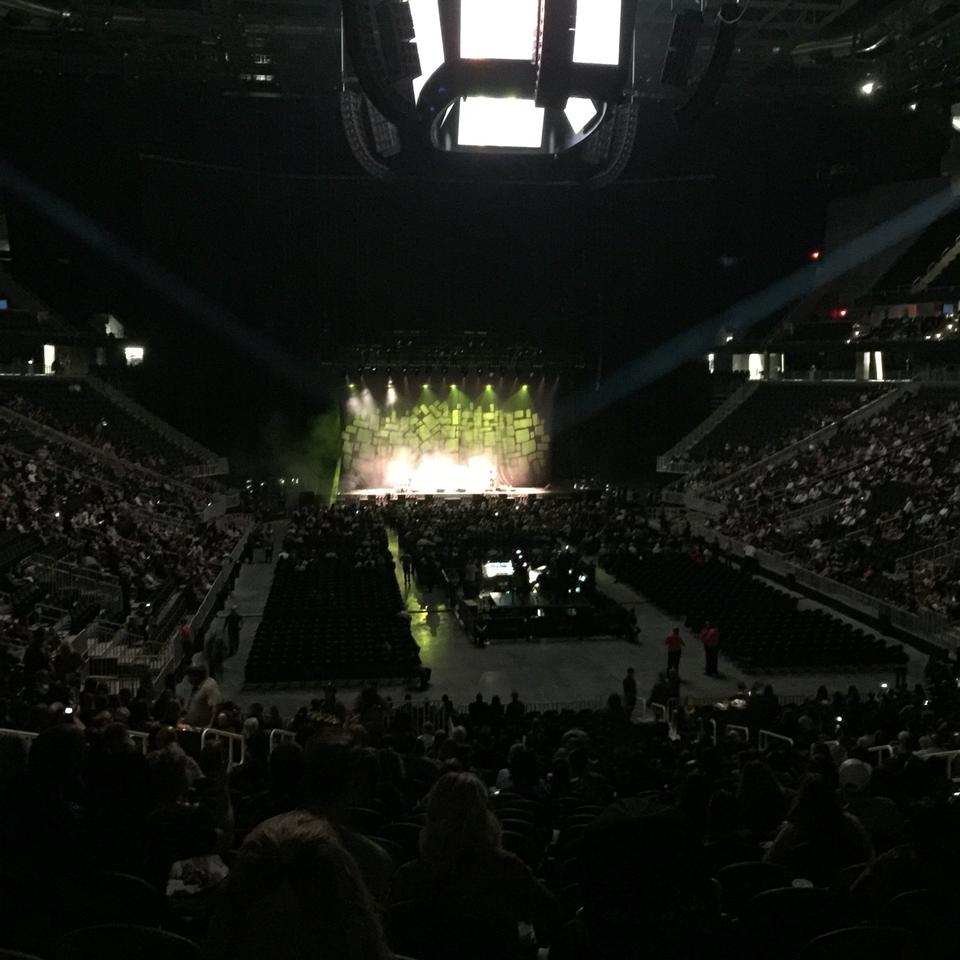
[[445, 439]]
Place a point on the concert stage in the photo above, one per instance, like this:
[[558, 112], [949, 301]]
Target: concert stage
[[399, 493]]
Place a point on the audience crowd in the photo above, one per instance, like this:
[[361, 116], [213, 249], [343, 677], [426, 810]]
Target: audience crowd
[[438, 832], [852, 506]]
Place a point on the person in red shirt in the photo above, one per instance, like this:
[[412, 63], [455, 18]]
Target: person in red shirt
[[675, 645], [710, 638]]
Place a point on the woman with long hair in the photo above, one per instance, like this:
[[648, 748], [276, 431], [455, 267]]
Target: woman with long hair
[[818, 839], [296, 894], [465, 895]]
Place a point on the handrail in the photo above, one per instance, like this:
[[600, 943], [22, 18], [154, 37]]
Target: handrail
[[886, 399], [949, 755], [884, 752], [659, 711], [765, 736], [742, 731], [711, 726], [143, 739], [170, 433], [935, 552], [233, 739], [927, 626], [666, 461], [278, 736], [27, 735], [52, 432]]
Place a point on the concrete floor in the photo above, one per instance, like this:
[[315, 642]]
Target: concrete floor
[[541, 671]]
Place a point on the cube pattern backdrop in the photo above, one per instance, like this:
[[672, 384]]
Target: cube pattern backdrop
[[512, 436]]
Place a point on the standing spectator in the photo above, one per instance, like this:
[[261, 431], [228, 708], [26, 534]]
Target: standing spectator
[[406, 561], [710, 638], [232, 624], [215, 653], [630, 690], [675, 645], [185, 637], [205, 697], [515, 708]]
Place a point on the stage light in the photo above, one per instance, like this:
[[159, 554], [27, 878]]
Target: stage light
[[955, 117], [500, 122], [523, 386], [912, 106], [429, 38], [499, 29], [426, 386], [815, 254], [597, 35], [869, 87], [579, 112]]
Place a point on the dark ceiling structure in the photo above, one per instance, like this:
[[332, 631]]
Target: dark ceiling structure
[[276, 47]]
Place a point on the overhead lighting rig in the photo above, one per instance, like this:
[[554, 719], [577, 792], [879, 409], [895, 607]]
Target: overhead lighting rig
[[532, 89]]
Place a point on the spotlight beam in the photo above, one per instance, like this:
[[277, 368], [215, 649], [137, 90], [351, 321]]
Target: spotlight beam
[[700, 339]]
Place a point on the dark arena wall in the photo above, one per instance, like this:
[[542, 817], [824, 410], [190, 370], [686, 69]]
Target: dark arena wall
[[469, 436]]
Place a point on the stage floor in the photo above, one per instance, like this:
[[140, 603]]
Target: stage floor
[[393, 493]]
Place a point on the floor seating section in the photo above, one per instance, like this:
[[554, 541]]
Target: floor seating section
[[760, 626], [328, 620]]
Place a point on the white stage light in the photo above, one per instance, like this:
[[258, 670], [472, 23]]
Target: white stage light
[[955, 117], [597, 37], [432, 472], [580, 111], [499, 29], [391, 393], [869, 87], [500, 122], [429, 39]]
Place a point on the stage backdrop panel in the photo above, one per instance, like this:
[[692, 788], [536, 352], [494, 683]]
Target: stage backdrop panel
[[450, 439]]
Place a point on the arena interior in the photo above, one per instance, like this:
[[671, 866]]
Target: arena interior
[[480, 480]]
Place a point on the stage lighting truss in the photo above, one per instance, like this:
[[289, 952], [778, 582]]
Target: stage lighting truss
[[437, 87]]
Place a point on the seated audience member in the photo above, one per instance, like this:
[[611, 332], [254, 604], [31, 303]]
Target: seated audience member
[[295, 893], [818, 839], [646, 889], [330, 786], [879, 815], [468, 893]]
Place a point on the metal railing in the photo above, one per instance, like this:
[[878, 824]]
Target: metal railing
[[169, 433], [665, 463], [63, 576], [929, 554], [817, 436], [883, 753], [236, 745], [949, 755], [766, 737], [278, 736], [739, 730], [659, 712], [929, 626]]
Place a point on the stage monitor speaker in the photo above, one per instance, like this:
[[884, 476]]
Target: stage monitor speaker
[[371, 498]]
